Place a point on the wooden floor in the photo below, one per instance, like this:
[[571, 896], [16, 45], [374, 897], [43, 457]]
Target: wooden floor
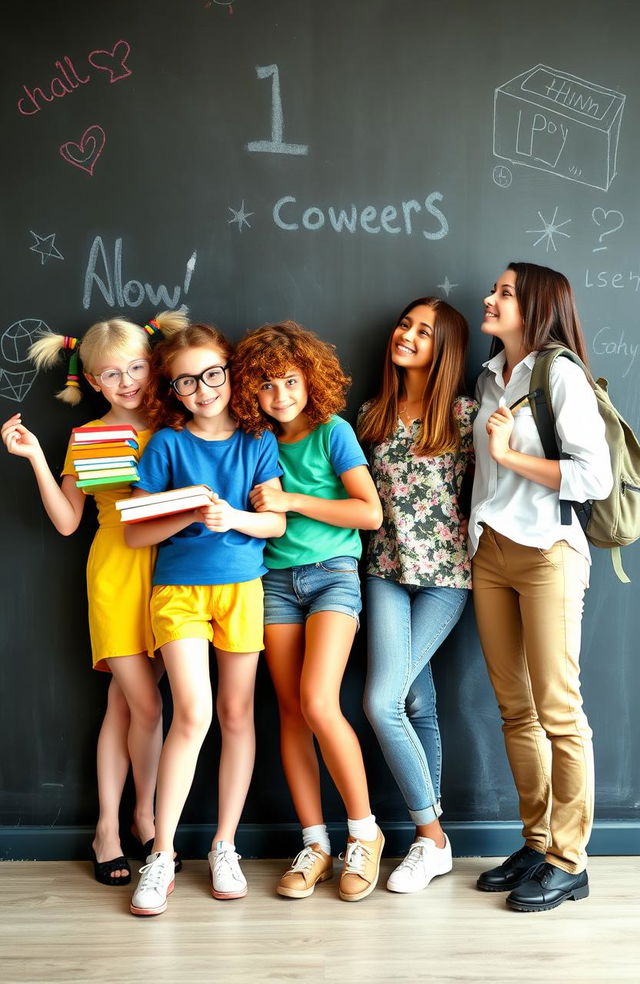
[[58, 925]]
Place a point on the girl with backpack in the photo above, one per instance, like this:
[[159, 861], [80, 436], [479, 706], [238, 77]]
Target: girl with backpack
[[530, 574]]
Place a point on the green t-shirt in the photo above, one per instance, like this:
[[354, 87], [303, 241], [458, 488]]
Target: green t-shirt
[[312, 466]]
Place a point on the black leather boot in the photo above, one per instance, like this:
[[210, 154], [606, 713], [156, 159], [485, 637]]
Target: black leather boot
[[548, 887], [512, 872]]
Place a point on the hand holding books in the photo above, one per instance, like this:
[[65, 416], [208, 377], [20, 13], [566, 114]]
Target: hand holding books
[[167, 503]]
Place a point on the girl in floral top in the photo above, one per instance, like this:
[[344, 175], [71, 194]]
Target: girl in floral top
[[419, 429]]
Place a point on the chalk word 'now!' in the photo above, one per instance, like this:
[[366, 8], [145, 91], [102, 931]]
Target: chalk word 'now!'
[[288, 215], [132, 293], [113, 62]]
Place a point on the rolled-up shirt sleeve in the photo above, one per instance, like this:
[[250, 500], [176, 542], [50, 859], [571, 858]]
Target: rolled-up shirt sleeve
[[586, 472]]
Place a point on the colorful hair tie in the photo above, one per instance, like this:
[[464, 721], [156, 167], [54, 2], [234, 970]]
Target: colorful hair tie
[[73, 378], [152, 327], [69, 342]]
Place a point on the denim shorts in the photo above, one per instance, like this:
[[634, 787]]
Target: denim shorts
[[291, 594]]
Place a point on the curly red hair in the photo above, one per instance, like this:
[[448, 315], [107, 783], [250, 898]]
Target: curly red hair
[[269, 352], [161, 405]]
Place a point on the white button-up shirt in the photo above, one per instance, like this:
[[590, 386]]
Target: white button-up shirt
[[525, 511]]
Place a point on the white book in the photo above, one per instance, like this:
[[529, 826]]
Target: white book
[[171, 495]]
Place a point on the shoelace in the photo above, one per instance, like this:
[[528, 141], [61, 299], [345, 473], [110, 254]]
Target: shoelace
[[305, 860], [416, 854], [153, 874], [355, 857], [228, 860]]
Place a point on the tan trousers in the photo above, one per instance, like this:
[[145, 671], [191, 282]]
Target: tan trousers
[[528, 606]]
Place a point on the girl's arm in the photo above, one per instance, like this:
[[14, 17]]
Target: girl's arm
[[264, 524], [64, 504], [151, 531], [361, 511]]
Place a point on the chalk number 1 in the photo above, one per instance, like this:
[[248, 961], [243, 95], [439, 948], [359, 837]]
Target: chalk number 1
[[276, 145]]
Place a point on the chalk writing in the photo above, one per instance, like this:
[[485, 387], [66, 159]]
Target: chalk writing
[[46, 247], [131, 293], [85, 154], [556, 122], [14, 348], [289, 216], [68, 79], [611, 341], [240, 216], [601, 219], [549, 230], [276, 145], [617, 280]]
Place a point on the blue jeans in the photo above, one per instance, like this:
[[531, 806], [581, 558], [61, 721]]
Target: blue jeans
[[291, 594], [406, 625]]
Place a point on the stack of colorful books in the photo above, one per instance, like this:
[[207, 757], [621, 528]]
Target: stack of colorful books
[[105, 457], [157, 504]]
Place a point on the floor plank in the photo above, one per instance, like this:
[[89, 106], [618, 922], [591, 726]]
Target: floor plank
[[57, 925]]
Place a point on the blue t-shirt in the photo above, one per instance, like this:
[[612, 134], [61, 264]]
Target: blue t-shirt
[[196, 555], [312, 466]]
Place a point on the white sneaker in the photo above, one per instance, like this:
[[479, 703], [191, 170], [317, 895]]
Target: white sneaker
[[227, 881], [157, 881], [423, 862]]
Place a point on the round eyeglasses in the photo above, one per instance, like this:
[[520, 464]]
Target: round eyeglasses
[[137, 371], [187, 385]]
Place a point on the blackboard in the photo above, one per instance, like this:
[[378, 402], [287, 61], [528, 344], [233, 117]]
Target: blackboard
[[325, 162]]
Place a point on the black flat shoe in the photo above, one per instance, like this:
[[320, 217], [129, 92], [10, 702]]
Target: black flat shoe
[[547, 888], [103, 870], [512, 872], [147, 849]]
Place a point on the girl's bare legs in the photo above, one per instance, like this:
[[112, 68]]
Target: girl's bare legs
[[187, 664], [329, 637], [234, 705], [112, 769], [285, 658], [137, 677]]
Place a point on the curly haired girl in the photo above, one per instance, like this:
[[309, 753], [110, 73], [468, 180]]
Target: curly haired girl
[[290, 382]]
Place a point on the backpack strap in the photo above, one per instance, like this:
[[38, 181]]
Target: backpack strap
[[542, 410]]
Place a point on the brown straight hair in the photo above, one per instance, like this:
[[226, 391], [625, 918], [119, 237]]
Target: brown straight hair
[[439, 432], [548, 307]]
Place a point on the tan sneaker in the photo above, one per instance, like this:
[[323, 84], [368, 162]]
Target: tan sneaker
[[361, 868], [311, 866]]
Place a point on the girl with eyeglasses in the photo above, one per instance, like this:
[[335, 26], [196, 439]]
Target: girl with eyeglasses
[[115, 357], [207, 588]]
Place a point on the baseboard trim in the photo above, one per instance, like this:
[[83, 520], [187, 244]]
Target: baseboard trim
[[468, 839]]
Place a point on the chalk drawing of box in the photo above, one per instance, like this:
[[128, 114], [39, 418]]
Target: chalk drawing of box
[[553, 121]]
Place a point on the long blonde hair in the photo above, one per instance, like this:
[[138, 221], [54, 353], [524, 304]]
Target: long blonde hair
[[439, 431]]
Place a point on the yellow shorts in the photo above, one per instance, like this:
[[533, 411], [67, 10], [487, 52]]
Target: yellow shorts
[[231, 616]]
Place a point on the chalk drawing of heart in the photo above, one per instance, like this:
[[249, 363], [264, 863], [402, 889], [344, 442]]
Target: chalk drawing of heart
[[85, 154], [101, 59]]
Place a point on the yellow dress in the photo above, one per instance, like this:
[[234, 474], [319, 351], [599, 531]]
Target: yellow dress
[[118, 579]]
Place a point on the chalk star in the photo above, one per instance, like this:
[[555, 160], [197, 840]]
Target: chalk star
[[447, 286], [240, 216], [549, 229], [45, 254]]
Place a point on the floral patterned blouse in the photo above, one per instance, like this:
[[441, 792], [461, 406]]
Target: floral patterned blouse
[[420, 541]]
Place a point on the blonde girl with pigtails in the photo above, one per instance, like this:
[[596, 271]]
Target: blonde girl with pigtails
[[115, 358]]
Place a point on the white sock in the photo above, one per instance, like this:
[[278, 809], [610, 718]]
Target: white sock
[[317, 834], [365, 829]]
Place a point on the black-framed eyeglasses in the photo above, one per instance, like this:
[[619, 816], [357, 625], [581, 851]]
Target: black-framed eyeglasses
[[186, 385], [137, 371]]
